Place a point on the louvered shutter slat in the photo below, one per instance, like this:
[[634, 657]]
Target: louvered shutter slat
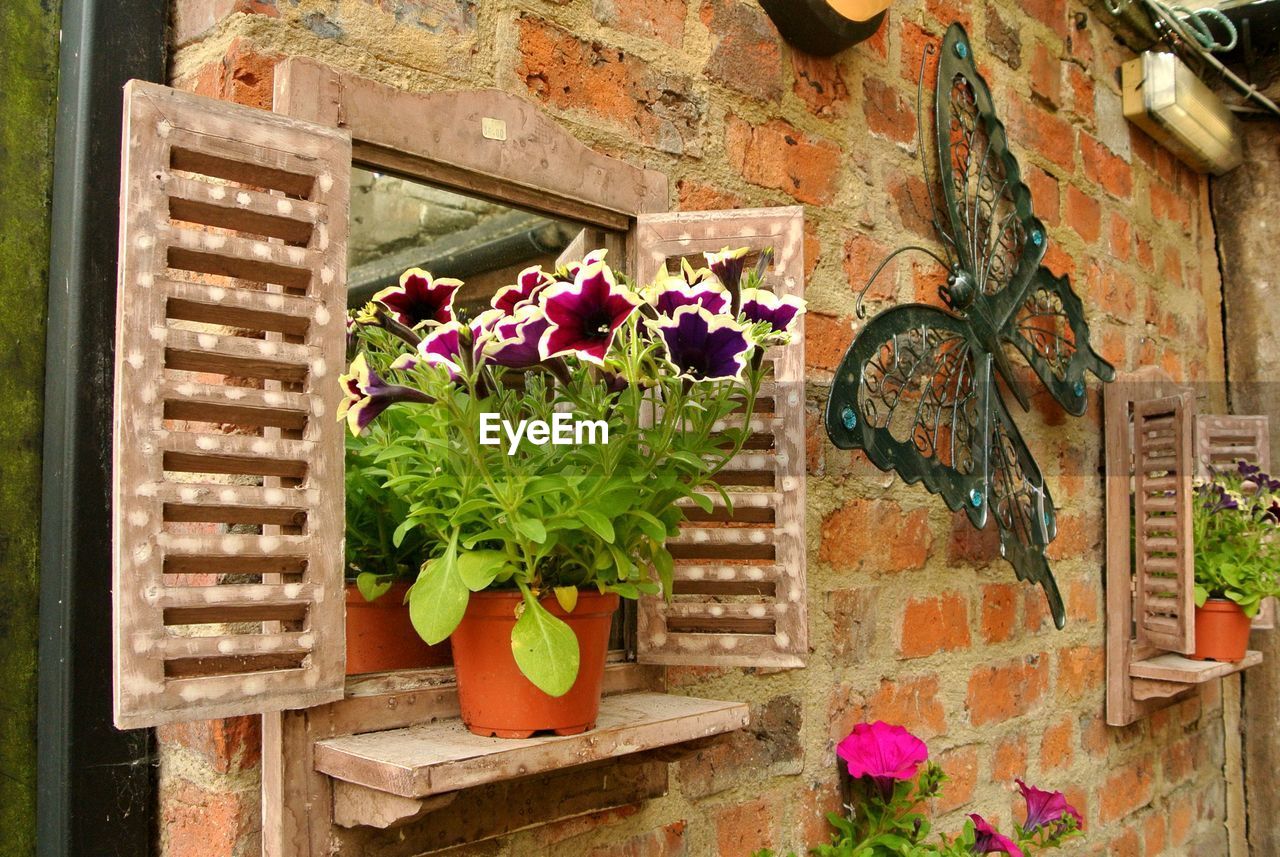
[[1163, 549], [739, 594], [228, 469]]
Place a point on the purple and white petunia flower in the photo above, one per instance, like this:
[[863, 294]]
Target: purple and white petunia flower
[[584, 315], [515, 341], [442, 349], [781, 312], [704, 346], [1046, 808], [527, 285], [727, 265], [674, 292], [570, 271], [987, 840], [365, 395], [419, 299]]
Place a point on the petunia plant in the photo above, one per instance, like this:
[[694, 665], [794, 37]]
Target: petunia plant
[[551, 441], [1235, 515], [892, 778]]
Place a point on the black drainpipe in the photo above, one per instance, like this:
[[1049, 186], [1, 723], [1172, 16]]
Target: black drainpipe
[[96, 793]]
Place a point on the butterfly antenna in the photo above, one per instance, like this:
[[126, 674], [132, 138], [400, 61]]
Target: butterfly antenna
[[862, 313], [949, 244]]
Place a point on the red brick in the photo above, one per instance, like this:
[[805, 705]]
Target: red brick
[[1104, 168], [1051, 13], [744, 828], [1035, 128], [862, 255], [826, 340], [1057, 261], [1120, 242], [1045, 197], [655, 19], [198, 822], [233, 744], [852, 613], [1126, 790], [814, 801], [1046, 75], [606, 83], [931, 625], [1179, 759], [193, 18], [1094, 735], [1153, 834], [746, 51], [854, 537], [1182, 819], [1083, 600], [1056, 743], [911, 202], [960, 764], [664, 842], [998, 693], [1126, 844], [999, 612], [1009, 760], [778, 155], [1084, 214], [243, 75], [1035, 610], [915, 42], [968, 544], [888, 113], [1082, 91], [820, 84], [699, 196], [909, 702]]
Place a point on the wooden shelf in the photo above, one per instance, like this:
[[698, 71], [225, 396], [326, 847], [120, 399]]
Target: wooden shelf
[[1171, 667], [440, 757]]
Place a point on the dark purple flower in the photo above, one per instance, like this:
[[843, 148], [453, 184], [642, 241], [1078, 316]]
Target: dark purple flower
[[1247, 470], [1046, 808], [762, 305], [515, 341], [883, 752], [527, 285], [674, 292], [703, 346], [987, 840], [585, 314], [1273, 512], [365, 395], [727, 265], [419, 299]]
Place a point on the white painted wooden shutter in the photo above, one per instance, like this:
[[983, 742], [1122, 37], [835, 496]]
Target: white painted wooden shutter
[[1221, 442], [739, 595], [228, 483], [1164, 554]]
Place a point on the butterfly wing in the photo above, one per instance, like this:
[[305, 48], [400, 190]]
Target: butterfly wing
[[1022, 507], [994, 235], [1049, 329], [912, 392]]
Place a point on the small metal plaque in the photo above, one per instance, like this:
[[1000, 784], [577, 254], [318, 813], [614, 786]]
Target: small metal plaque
[[493, 129]]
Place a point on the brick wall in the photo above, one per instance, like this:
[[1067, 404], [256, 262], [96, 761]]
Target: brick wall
[[914, 618]]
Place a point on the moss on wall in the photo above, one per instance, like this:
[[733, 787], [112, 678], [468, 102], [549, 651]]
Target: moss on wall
[[28, 89]]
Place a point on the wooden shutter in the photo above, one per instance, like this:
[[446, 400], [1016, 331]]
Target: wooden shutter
[[1163, 549], [1221, 441], [739, 595], [228, 484]]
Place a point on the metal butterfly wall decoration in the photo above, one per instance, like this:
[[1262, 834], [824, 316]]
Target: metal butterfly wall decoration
[[917, 391]]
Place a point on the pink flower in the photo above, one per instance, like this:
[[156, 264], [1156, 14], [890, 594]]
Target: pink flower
[[419, 299], [987, 840], [1046, 808], [584, 315], [527, 285], [884, 752]]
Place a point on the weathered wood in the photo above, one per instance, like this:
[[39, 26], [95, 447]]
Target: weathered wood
[[441, 757], [1164, 572], [357, 806], [223, 191], [740, 592], [1175, 668]]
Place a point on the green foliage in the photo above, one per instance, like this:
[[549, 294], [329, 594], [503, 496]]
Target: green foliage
[[1234, 517]]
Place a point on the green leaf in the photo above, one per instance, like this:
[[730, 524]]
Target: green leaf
[[401, 531], [545, 649], [373, 586], [665, 566], [567, 597], [532, 529], [598, 523], [439, 598], [479, 568]]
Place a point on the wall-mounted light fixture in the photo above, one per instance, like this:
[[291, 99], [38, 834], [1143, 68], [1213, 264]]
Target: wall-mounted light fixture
[[1164, 98], [825, 27]]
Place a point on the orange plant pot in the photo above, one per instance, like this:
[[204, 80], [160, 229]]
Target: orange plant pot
[[1222, 631], [496, 698], [380, 636]]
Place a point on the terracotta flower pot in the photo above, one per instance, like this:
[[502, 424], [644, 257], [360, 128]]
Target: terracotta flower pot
[[1222, 631], [496, 698], [380, 636]]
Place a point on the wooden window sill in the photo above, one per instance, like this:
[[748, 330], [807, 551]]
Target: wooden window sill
[[1170, 674], [435, 758]]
